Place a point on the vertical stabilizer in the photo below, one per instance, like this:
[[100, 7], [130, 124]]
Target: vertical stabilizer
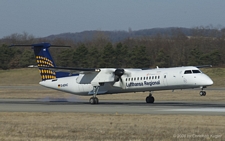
[[44, 59]]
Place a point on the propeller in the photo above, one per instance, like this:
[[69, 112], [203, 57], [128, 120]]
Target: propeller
[[118, 73], [117, 77]]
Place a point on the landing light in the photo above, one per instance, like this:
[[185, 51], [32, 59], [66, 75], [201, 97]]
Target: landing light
[[98, 70]]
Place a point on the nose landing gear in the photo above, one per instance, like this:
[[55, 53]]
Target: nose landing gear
[[202, 93]]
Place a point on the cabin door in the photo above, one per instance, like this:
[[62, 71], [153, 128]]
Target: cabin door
[[165, 79]]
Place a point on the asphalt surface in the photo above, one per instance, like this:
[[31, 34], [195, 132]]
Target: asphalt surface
[[109, 106], [112, 106]]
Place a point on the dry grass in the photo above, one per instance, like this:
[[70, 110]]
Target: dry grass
[[25, 76], [177, 95], [31, 93], [76, 126]]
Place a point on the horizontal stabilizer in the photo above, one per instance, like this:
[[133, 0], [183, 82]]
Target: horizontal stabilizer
[[204, 66], [38, 45]]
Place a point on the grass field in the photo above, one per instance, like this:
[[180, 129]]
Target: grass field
[[25, 76], [110, 127], [178, 95], [20, 126]]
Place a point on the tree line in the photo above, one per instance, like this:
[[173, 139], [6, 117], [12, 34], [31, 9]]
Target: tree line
[[141, 52]]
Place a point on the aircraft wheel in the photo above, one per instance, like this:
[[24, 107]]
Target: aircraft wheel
[[96, 100], [150, 99], [147, 99], [93, 100], [202, 93]]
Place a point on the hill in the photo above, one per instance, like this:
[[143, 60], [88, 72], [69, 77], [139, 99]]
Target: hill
[[117, 36]]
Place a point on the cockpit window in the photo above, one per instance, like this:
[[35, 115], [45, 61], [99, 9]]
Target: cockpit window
[[196, 71], [188, 72]]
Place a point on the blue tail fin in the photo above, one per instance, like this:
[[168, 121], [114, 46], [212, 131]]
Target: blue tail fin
[[44, 60]]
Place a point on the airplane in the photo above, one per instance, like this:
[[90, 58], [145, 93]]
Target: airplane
[[99, 81]]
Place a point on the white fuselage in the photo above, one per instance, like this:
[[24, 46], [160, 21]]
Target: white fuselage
[[137, 81]]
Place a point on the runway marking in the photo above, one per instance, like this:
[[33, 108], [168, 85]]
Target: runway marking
[[198, 110]]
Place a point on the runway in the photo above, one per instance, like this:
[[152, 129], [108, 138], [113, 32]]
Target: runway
[[112, 106]]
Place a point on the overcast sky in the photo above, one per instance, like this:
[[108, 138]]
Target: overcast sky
[[46, 17]]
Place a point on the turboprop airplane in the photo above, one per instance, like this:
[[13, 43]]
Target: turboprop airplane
[[96, 81]]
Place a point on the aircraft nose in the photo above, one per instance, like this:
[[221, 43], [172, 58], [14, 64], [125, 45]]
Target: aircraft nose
[[205, 80], [208, 81]]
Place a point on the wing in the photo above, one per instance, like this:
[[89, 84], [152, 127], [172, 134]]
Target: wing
[[73, 70], [95, 76]]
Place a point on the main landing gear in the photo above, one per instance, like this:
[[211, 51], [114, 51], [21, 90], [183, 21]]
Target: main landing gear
[[94, 99], [150, 98]]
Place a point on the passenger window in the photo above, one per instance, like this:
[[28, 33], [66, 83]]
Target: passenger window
[[143, 78], [134, 78], [146, 78], [158, 77], [149, 77], [126, 79], [152, 77], [155, 77], [129, 79], [138, 78], [188, 72], [196, 71]]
